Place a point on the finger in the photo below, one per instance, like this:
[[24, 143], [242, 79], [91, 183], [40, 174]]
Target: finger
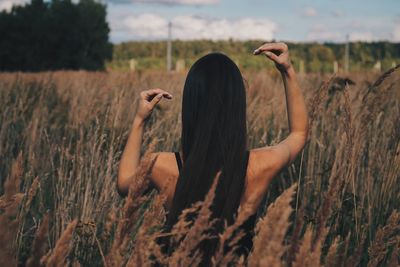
[[271, 56], [155, 100], [281, 47], [269, 47], [149, 94]]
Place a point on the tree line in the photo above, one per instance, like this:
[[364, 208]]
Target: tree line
[[313, 56], [52, 35]]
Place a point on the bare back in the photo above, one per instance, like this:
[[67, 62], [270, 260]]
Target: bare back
[[263, 165]]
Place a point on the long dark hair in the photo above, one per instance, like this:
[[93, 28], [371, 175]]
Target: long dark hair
[[214, 137]]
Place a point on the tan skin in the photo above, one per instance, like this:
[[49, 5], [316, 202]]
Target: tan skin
[[264, 162]]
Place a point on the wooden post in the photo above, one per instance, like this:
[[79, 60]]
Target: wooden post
[[180, 65], [301, 67], [335, 66], [132, 64], [378, 66]]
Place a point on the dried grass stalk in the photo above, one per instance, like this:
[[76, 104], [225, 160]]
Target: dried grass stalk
[[355, 258], [270, 231], [185, 254], [62, 248], [145, 242], [394, 260], [31, 193], [39, 243], [131, 211], [305, 257], [385, 237], [8, 217], [182, 226], [330, 196], [221, 258], [331, 257], [295, 238], [315, 104]]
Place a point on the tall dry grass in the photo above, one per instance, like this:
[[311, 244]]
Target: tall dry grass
[[62, 134]]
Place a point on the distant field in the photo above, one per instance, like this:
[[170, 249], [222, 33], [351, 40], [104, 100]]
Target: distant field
[[62, 134]]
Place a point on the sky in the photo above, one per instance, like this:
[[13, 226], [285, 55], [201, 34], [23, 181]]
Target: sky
[[285, 20]]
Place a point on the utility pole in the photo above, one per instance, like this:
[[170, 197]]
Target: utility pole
[[169, 47], [346, 55]]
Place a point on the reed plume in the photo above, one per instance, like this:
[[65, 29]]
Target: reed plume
[[9, 209], [131, 211], [62, 248], [145, 245], [39, 244], [186, 254], [386, 237], [230, 238], [306, 257], [271, 230]]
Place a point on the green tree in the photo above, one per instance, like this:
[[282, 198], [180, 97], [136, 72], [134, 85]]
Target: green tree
[[320, 58], [54, 35]]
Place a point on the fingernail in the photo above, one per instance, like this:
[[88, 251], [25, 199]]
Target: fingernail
[[255, 51]]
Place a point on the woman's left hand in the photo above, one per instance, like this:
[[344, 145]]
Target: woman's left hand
[[148, 100], [278, 53]]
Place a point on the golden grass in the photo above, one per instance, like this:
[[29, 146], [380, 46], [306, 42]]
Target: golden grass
[[270, 232], [62, 248], [62, 134]]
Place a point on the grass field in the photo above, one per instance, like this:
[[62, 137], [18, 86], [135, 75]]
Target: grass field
[[62, 134]]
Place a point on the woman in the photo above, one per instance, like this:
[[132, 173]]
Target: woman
[[214, 139]]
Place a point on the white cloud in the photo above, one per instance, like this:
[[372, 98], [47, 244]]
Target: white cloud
[[310, 12], [362, 36], [146, 25], [153, 26], [396, 29], [170, 2], [322, 33], [192, 27], [396, 33], [7, 4]]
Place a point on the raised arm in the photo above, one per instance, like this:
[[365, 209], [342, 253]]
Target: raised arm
[[131, 156], [289, 148]]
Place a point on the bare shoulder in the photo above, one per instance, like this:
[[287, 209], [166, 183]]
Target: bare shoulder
[[164, 160], [266, 162], [164, 169]]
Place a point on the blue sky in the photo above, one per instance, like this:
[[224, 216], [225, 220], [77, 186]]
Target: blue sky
[[290, 20]]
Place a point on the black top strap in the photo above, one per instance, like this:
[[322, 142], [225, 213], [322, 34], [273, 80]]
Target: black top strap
[[178, 161], [247, 160]]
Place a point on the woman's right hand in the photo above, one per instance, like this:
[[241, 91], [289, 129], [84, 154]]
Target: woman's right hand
[[278, 53], [148, 100]]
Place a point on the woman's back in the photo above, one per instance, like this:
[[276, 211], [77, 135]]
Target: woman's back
[[166, 170], [244, 244], [259, 173]]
